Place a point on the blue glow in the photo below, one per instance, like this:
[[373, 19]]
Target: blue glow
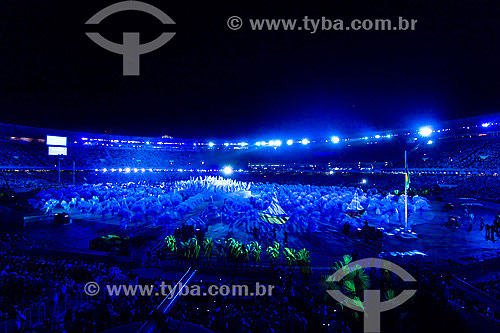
[[364, 181], [289, 142], [335, 139], [127, 170], [425, 131], [275, 143], [485, 125], [305, 141], [257, 143], [430, 142], [211, 144], [226, 144], [377, 136], [227, 170]]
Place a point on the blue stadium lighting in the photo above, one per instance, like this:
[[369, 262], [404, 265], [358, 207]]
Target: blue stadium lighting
[[143, 170], [257, 143], [377, 136], [127, 170], [425, 131], [389, 136], [486, 125], [120, 170], [289, 142], [275, 143], [227, 170], [243, 144], [226, 144], [104, 170], [335, 139], [211, 144], [135, 169], [305, 141], [364, 181], [430, 142]]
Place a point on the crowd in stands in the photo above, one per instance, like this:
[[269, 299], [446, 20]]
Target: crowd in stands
[[48, 293], [465, 154], [293, 306], [473, 154], [491, 287], [35, 154]]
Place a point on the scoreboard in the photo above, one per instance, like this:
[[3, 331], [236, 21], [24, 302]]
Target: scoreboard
[[57, 145]]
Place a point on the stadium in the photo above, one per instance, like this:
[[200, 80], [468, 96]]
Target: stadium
[[244, 167], [152, 201]]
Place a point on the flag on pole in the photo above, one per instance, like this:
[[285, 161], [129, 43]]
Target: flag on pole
[[274, 214], [407, 174], [273, 219], [275, 208]]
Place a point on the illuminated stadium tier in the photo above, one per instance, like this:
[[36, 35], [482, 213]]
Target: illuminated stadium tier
[[469, 144]]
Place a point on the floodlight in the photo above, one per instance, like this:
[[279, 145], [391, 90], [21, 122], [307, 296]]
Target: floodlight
[[425, 131], [227, 170]]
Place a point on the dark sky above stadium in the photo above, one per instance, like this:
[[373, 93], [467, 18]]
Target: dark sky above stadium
[[210, 81]]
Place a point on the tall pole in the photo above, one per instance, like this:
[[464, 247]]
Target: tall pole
[[407, 171], [59, 171]]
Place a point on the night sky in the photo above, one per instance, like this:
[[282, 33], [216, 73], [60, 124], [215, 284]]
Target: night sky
[[212, 82]]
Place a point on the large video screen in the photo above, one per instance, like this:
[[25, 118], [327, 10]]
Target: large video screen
[[56, 140], [58, 151]]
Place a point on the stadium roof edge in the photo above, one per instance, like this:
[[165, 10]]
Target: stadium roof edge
[[12, 130]]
